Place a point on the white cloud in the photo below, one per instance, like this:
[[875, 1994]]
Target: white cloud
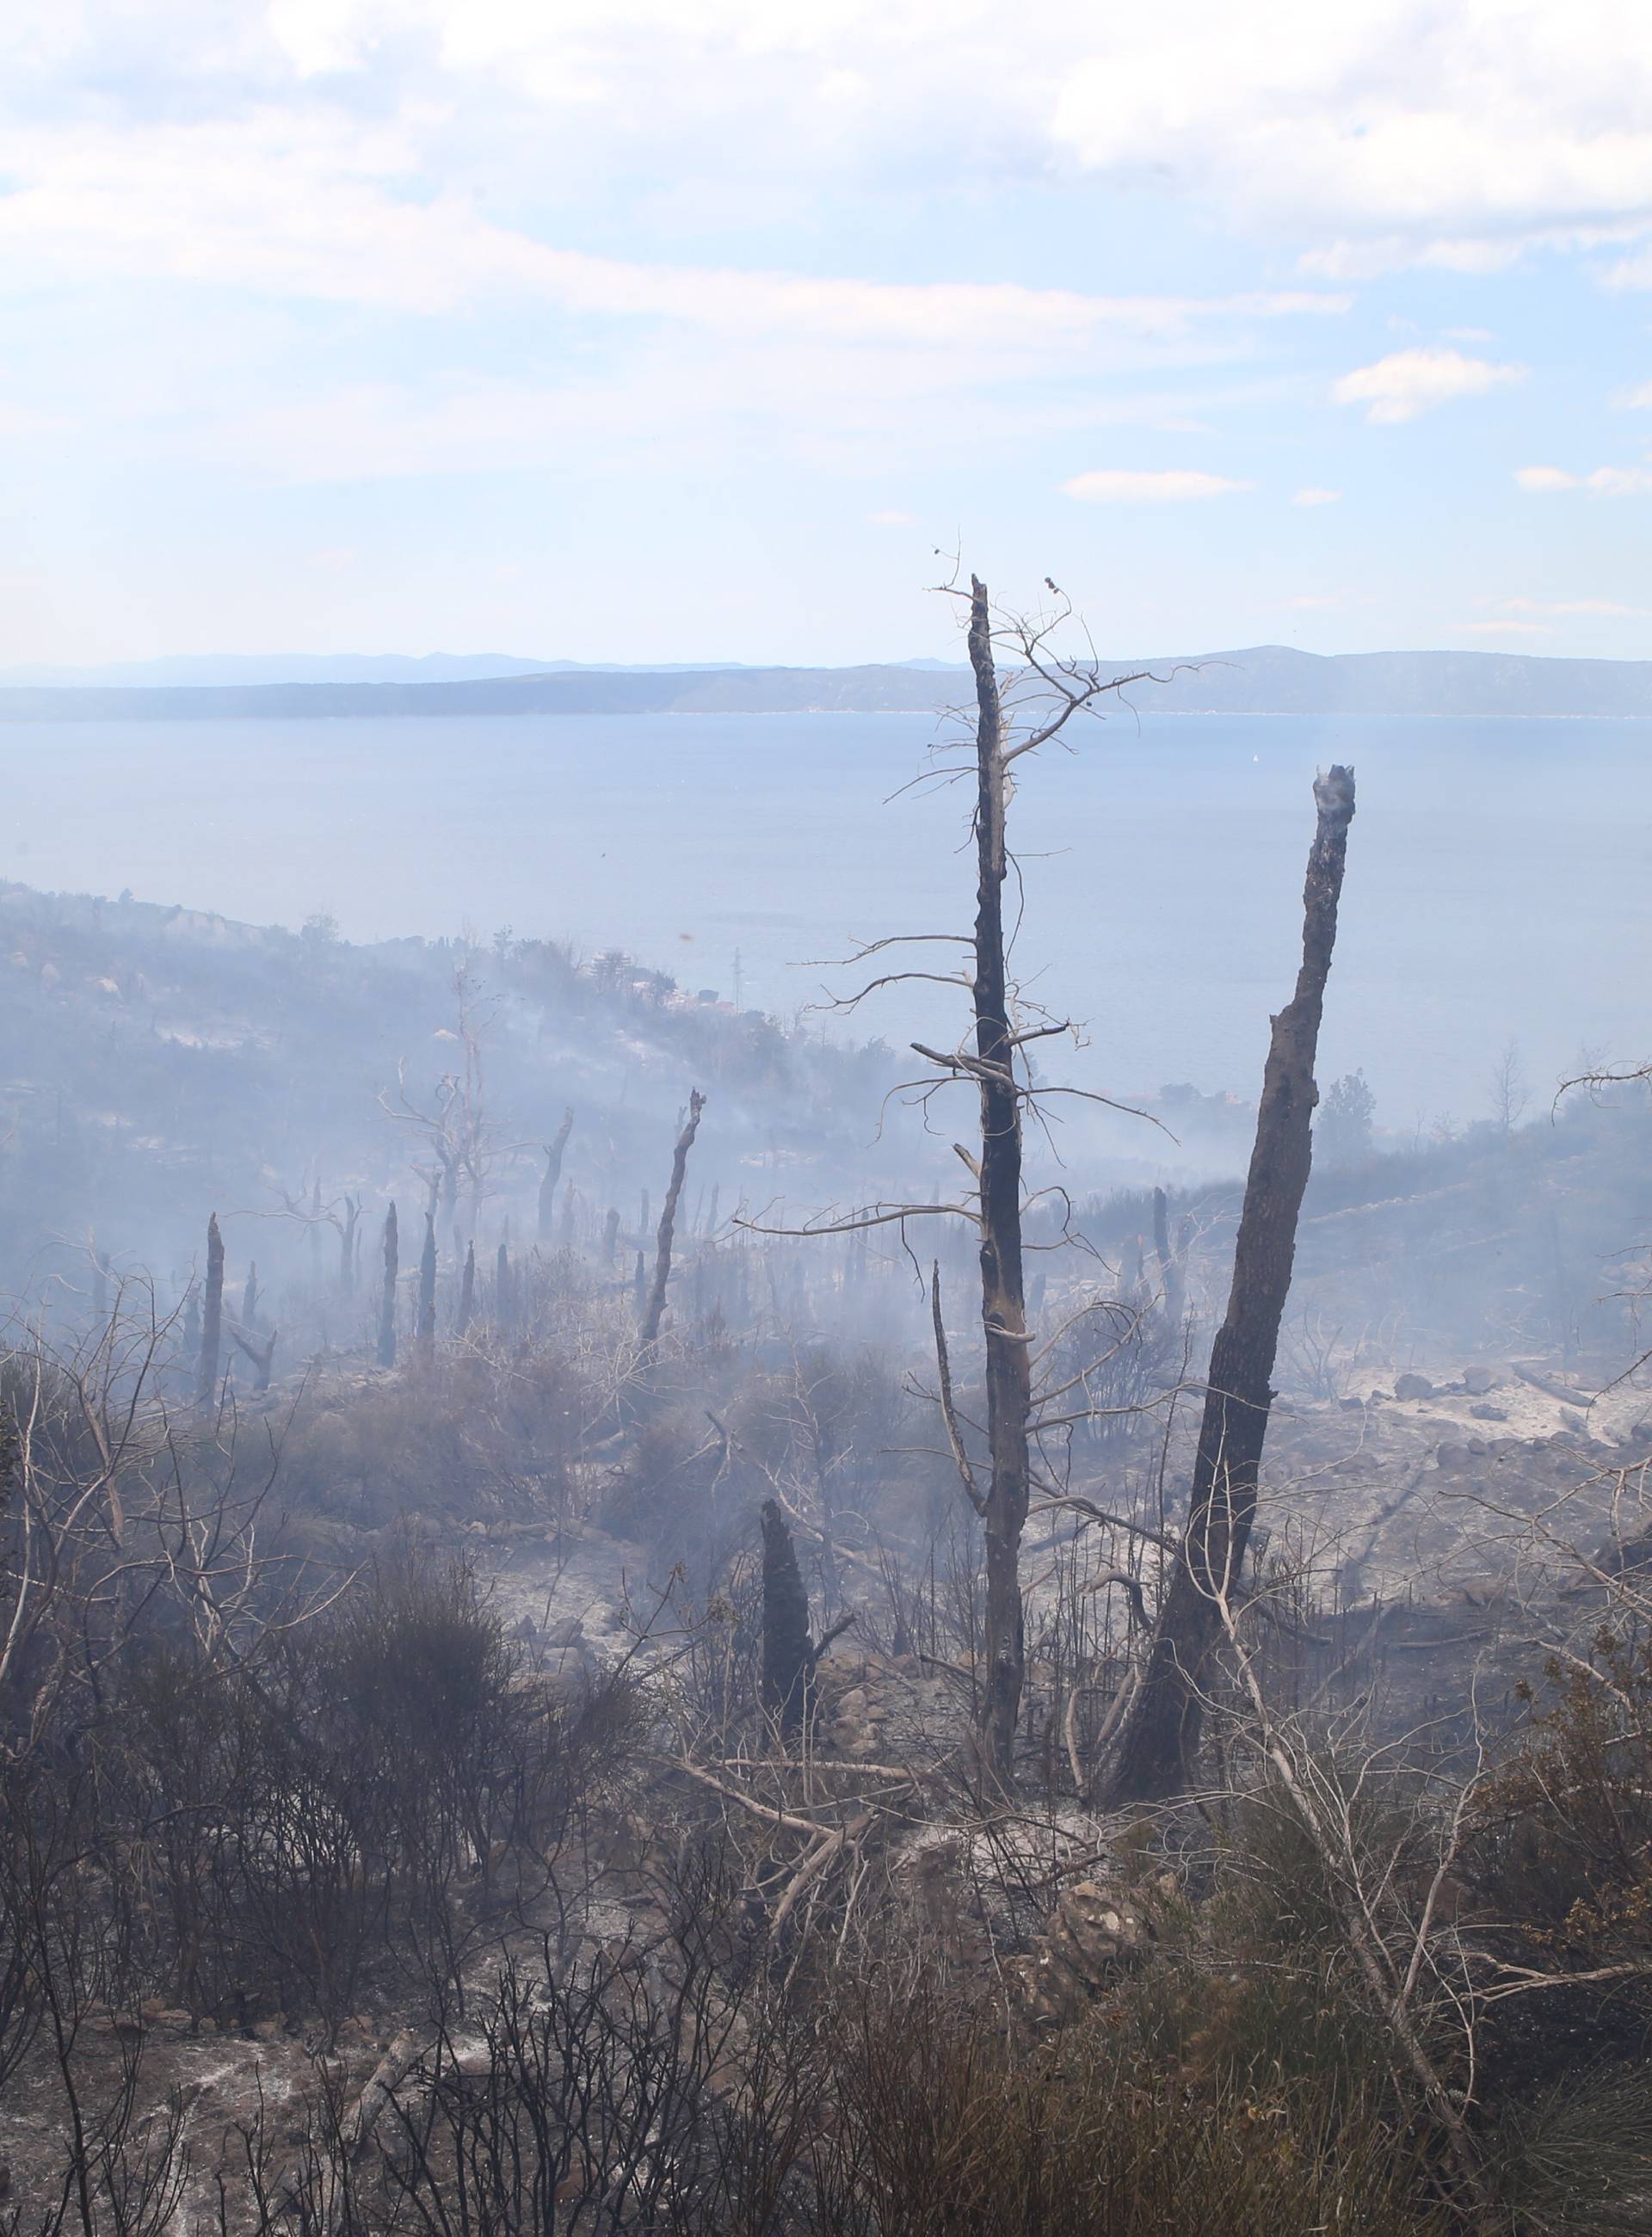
[[1606, 609], [1122, 486], [1506, 629], [1317, 496], [1635, 399], [1400, 386], [1377, 132], [1445, 134], [299, 204], [1604, 481]]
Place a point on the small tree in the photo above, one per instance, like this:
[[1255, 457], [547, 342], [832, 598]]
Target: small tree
[[1510, 1090], [1342, 1132]]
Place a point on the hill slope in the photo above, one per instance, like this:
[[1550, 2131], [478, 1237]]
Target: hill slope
[[1259, 679]]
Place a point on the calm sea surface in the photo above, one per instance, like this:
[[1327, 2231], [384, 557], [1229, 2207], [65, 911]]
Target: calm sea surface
[[1497, 881]]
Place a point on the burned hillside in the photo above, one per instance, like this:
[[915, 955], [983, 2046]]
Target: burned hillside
[[619, 1618]]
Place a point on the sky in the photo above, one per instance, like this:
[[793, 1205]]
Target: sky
[[696, 329]]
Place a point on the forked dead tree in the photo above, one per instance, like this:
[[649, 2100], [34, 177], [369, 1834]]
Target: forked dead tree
[[458, 1131], [653, 1312], [553, 1173], [1162, 1729], [343, 1215], [262, 1355]]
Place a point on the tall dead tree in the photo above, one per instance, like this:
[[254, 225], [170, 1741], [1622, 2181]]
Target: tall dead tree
[[468, 1288], [424, 1334], [212, 1316], [654, 1311], [998, 1072], [1040, 691], [998, 1176], [388, 1298], [1162, 1729], [553, 1173]]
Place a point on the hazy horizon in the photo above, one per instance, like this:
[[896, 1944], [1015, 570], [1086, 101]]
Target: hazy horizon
[[293, 665]]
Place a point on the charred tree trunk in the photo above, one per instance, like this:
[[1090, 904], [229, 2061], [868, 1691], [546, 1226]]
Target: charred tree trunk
[[425, 1335], [1170, 1274], [250, 1298], [467, 1289], [609, 1238], [1003, 1298], [346, 1246], [504, 1300], [639, 1285], [1162, 1730], [786, 1657], [212, 1316], [553, 1174], [653, 1312], [387, 1301]]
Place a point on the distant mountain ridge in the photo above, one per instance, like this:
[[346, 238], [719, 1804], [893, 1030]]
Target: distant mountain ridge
[[1257, 680], [195, 671]]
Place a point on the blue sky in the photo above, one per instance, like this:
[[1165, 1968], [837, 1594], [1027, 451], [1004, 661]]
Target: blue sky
[[650, 329]]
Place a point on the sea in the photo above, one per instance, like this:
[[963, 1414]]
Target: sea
[[1497, 885]]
